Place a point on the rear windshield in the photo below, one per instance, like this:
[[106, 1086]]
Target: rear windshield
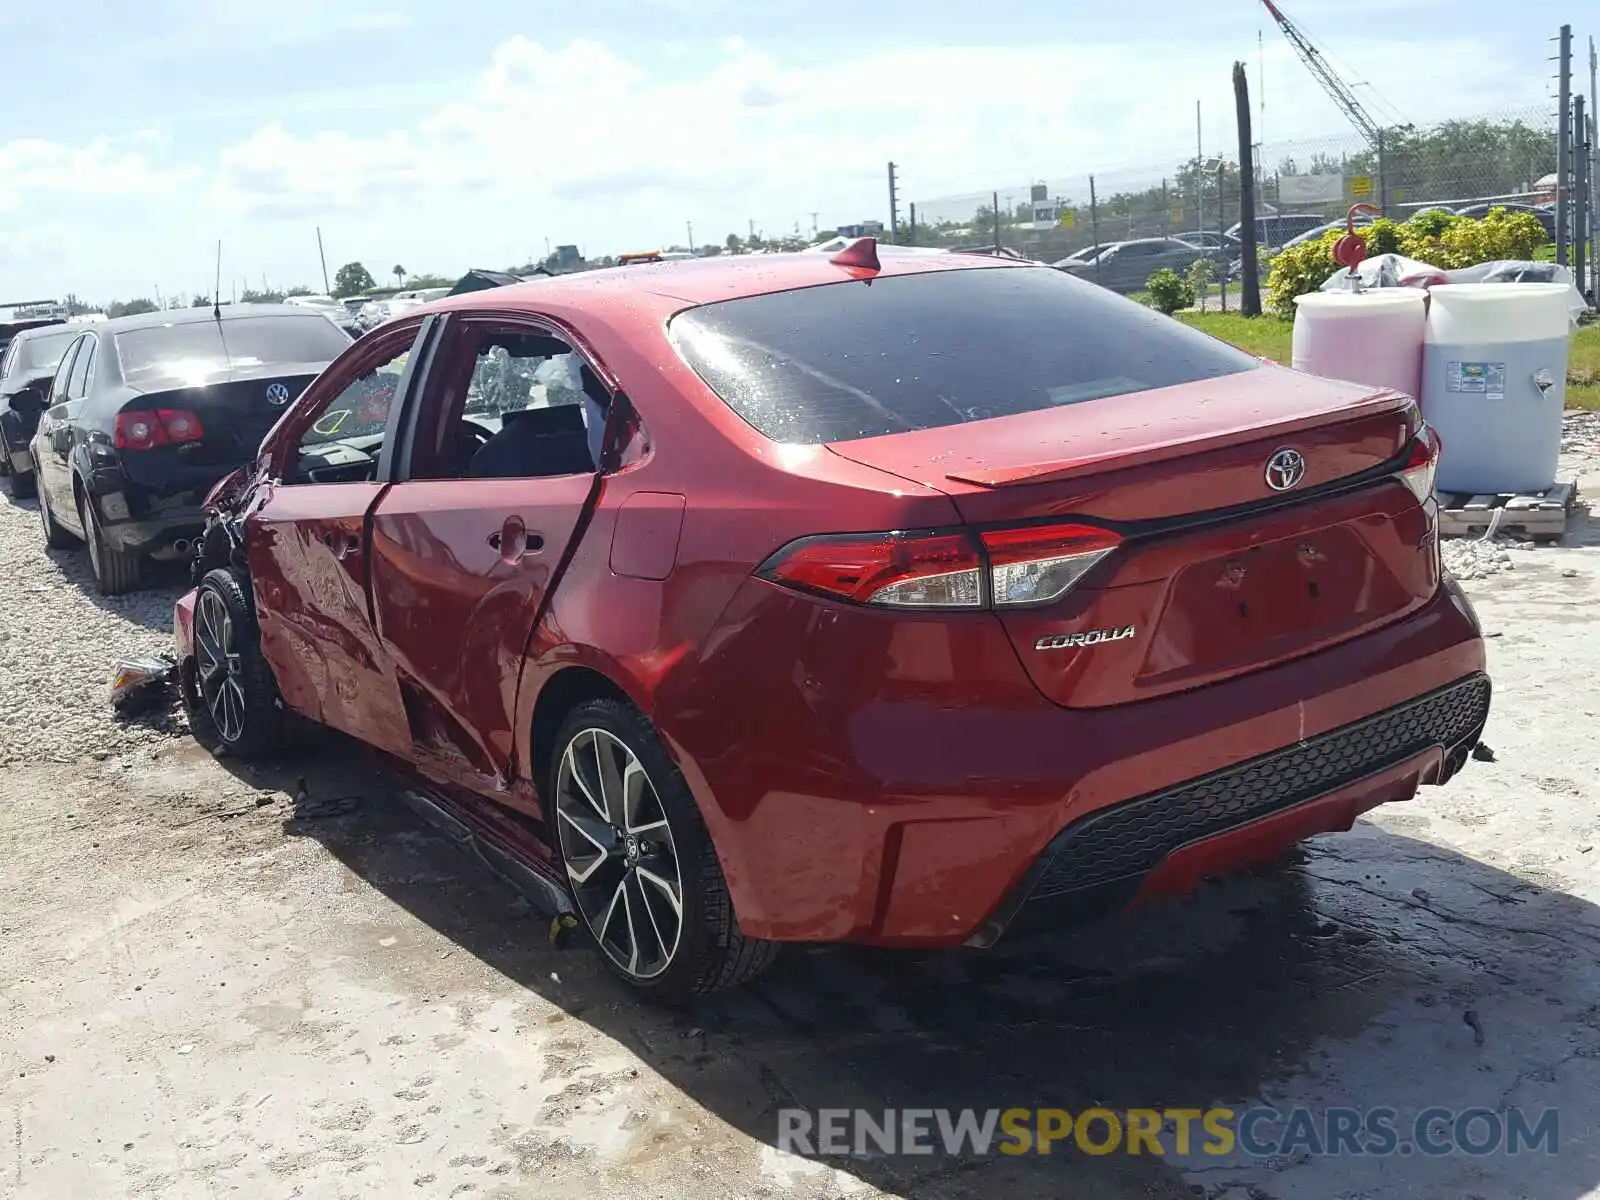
[[205, 347], [41, 353], [852, 360]]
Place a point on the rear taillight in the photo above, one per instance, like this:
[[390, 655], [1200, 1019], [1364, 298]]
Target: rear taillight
[[1422, 464], [898, 570], [1006, 568], [157, 427], [1040, 563]]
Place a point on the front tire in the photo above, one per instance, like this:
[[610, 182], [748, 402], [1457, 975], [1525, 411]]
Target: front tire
[[639, 859], [115, 571], [231, 698]]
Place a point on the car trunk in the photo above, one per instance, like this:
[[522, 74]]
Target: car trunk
[[235, 412], [1217, 573]]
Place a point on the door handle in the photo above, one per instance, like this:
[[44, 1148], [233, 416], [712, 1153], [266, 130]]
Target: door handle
[[512, 540]]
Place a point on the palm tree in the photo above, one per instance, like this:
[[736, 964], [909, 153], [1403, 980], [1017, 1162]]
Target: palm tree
[[399, 274]]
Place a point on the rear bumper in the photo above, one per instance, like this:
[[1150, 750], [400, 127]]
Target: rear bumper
[[1168, 841], [148, 516], [890, 783]]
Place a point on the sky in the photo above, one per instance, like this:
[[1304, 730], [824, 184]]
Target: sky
[[442, 136]]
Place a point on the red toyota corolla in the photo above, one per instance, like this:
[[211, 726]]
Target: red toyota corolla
[[787, 598]]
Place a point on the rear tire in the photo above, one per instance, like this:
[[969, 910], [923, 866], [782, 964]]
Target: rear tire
[[55, 537], [635, 847], [231, 697], [116, 571], [23, 485]]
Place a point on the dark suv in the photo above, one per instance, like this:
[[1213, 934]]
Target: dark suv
[[32, 349]]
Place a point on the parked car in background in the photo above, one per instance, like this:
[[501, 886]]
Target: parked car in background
[[27, 366], [328, 307], [1126, 266], [839, 599], [403, 302], [1546, 216], [1218, 244], [10, 328], [1087, 255], [147, 412], [1276, 229]]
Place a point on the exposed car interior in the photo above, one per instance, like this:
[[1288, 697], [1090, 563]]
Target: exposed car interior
[[519, 406]]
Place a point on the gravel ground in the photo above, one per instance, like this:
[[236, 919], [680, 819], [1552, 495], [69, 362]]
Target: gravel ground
[[58, 641], [216, 979]]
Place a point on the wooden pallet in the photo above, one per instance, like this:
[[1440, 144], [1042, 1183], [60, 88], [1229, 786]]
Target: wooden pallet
[[1541, 516]]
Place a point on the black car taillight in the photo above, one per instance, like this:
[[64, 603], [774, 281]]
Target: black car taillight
[[157, 427], [944, 569]]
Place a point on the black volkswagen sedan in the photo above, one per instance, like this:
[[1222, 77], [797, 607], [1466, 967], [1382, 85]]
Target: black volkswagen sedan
[[147, 412], [27, 366]]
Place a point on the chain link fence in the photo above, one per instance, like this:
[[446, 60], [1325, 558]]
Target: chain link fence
[[1505, 157]]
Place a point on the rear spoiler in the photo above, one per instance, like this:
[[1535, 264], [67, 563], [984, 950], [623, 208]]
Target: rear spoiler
[[1053, 470]]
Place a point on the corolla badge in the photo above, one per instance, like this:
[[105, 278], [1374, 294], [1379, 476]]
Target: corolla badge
[[1093, 637], [278, 394], [1285, 468]]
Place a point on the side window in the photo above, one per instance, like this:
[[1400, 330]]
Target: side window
[[82, 370], [8, 357], [516, 403], [343, 442], [58, 388]]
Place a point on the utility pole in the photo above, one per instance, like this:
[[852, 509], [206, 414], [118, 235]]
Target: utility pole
[[322, 254], [994, 202], [1250, 285], [813, 224], [1594, 192], [1199, 183], [1094, 224], [911, 226], [1580, 191], [1563, 140], [894, 208], [689, 225]]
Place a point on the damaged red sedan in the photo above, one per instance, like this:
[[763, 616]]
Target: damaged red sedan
[[785, 598]]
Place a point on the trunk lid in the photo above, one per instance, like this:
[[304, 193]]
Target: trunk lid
[[1218, 573], [236, 409]]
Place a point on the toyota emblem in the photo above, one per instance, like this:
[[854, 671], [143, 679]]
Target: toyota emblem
[[278, 394], [1285, 468]]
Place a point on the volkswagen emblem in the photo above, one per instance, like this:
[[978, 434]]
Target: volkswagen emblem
[[1285, 468], [278, 394]]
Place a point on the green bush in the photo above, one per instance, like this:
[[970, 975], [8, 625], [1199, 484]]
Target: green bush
[[1440, 239], [1202, 274], [1169, 291], [1382, 237], [1300, 269], [1509, 234]]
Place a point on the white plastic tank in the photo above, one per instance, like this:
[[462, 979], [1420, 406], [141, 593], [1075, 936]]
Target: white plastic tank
[[1494, 381], [1372, 337]]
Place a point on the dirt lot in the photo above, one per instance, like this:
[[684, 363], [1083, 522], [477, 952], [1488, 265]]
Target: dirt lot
[[215, 981]]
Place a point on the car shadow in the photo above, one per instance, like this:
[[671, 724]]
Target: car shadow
[[150, 607], [1376, 970]]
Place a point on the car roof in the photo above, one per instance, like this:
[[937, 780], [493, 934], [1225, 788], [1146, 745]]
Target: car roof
[[54, 328], [662, 288], [162, 318]]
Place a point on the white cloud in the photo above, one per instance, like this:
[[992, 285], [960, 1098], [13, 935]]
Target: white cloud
[[565, 128], [584, 143], [37, 168]]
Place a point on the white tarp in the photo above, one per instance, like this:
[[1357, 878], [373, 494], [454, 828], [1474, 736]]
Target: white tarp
[[1395, 270]]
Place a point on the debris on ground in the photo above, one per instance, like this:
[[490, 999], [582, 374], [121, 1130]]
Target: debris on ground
[[1478, 558]]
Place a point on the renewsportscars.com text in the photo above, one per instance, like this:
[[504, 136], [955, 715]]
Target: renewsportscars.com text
[[1257, 1132]]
